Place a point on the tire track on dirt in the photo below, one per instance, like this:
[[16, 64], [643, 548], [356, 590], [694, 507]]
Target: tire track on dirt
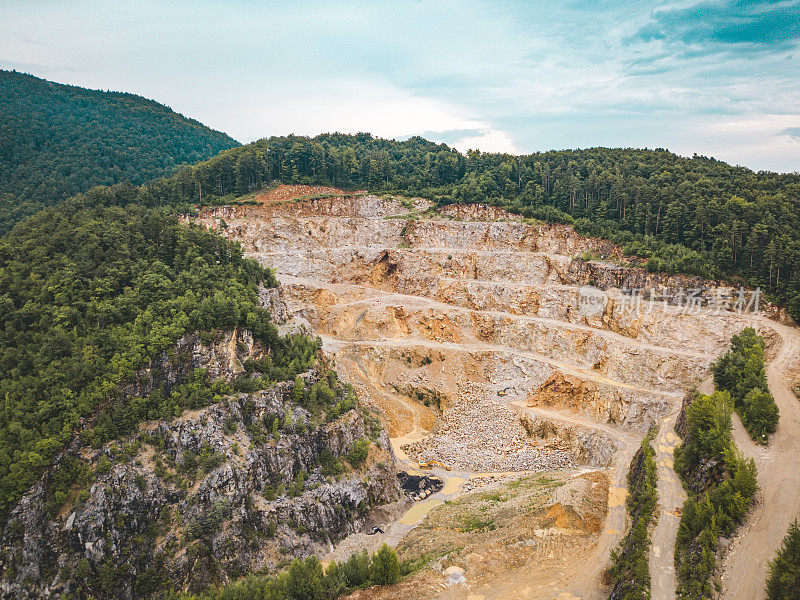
[[671, 497]]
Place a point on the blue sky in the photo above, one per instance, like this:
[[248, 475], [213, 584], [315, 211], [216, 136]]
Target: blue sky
[[720, 78]]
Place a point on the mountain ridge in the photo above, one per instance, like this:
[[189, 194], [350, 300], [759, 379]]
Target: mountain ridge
[[57, 140]]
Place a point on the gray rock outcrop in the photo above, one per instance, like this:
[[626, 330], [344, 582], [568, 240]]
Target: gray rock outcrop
[[242, 485]]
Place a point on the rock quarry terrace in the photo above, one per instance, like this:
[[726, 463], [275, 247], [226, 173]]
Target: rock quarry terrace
[[462, 325]]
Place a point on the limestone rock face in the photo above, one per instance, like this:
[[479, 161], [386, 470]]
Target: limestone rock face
[[202, 498], [485, 308]]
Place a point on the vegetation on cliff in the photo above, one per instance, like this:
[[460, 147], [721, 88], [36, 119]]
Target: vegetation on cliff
[[89, 294], [630, 568], [58, 140], [721, 486], [741, 372]]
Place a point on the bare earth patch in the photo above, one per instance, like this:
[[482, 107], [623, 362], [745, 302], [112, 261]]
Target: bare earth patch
[[522, 534], [295, 192]]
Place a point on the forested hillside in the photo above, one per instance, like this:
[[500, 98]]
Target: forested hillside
[[58, 140], [695, 215], [89, 294]]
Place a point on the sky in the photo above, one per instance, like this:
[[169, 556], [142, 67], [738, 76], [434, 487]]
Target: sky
[[718, 77]]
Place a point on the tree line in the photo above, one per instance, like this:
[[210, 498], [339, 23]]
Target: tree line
[[630, 564], [308, 580], [695, 215], [783, 582], [742, 373], [721, 485]]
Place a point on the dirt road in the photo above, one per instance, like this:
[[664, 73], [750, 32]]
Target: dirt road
[[671, 497], [587, 584], [745, 566]]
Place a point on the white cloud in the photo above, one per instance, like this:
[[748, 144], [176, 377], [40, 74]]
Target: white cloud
[[754, 140], [555, 76], [342, 105], [488, 140]]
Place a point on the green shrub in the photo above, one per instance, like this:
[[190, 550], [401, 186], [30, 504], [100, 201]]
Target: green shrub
[[209, 459], [385, 566], [208, 522], [331, 466], [103, 466], [357, 570], [721, 486], [298, 484], [72, 474], [761, 413], [630, 565], [306, 579], [357, 455]]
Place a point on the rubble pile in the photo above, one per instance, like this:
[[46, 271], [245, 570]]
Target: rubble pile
[[483, 481], [480, 434]]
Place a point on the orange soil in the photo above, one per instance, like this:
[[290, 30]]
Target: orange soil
[[292, 192]]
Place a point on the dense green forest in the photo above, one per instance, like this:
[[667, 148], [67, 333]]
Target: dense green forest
[[742, 373], [89, 293], [721, 487], [694, 215], [58, 140]]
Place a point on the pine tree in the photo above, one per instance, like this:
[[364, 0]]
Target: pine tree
[[385, 566], [306, 580], [784, 571]]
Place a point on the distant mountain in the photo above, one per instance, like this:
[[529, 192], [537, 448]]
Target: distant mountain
[[58, 140]]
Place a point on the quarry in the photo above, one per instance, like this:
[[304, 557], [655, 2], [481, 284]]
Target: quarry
[[521, 364]]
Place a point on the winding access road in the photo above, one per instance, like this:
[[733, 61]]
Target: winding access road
[[745, 566]]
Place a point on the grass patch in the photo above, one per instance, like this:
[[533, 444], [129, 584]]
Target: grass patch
[[474, 523], [410, 215], [414, 565], [495, 497]]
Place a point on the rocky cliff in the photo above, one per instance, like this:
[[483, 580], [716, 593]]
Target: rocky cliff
[[242, 485]]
